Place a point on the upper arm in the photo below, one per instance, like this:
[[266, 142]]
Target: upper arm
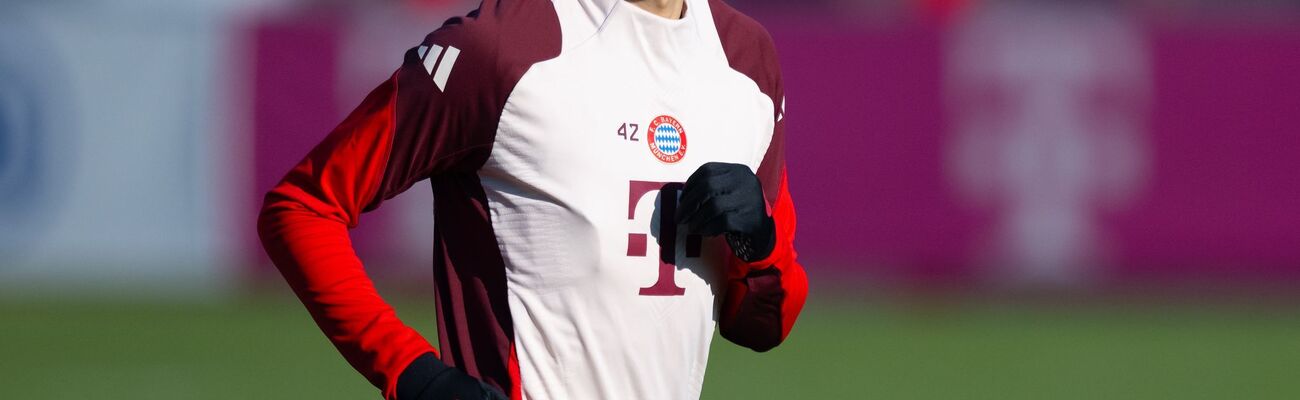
[[442, 108]]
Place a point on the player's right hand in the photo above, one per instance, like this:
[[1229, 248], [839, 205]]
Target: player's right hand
[[428, 378]]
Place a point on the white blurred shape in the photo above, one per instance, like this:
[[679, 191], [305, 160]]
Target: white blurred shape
[[1049, 103]]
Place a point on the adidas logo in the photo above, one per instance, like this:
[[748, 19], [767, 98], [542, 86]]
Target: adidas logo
[[439, 70]]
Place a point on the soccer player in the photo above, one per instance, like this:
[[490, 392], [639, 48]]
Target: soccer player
[[608, 187]]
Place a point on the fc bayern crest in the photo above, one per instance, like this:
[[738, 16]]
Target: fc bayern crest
[[667, 139]]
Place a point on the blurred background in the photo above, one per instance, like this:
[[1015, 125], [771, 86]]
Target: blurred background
[[998, 199]]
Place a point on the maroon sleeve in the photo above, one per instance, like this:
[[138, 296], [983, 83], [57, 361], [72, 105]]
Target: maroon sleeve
[[436, 115], [762, 298]]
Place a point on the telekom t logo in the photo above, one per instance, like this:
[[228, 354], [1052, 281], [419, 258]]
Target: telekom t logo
[[666, 285]]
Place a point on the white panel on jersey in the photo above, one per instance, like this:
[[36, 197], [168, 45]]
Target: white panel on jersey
[[422, 51], [558, 187], [579, 20], [444, 68]]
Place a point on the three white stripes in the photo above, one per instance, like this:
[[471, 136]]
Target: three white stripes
[[443, 70]]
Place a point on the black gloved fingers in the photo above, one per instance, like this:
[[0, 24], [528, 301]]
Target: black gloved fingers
[[714, 220], [710, 223], [740, 220], [712, 175], [722, 206], [706, 182], [693, 197], [693, 212]]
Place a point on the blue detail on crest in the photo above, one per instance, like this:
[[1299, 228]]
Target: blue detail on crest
[[668, 139]]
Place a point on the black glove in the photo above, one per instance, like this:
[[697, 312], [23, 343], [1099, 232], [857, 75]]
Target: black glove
[[428, 378], [728, 198]]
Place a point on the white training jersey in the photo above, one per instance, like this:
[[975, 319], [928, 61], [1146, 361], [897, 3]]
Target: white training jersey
[[556, 135]]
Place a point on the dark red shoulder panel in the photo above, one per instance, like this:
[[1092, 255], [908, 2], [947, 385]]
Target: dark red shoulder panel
[[450, 129]]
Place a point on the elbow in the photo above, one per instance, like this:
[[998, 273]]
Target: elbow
[[273, 217]]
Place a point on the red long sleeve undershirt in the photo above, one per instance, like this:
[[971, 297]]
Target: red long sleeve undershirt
[[304, 227]]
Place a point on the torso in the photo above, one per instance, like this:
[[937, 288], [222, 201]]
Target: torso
[[571, 197], [571, 153]]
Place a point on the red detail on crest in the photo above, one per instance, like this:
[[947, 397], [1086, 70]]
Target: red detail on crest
[[670, 145]]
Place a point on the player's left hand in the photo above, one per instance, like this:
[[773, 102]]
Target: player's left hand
[[722, 198]]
